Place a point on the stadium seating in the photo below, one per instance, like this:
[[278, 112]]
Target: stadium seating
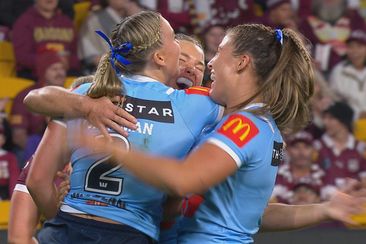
[[81, 12], [7, 59], [4, 214], [69, 81], [11, 86], [360, 130]]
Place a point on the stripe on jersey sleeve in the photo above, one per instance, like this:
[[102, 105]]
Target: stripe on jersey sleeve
[[227, 149]]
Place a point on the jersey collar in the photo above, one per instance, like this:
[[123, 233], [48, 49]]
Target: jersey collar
[[139, 78], [253, 105]]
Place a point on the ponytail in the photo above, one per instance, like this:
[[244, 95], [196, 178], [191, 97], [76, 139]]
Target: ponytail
[[132, 43], [106, 81], [284, 70], [290, 85]]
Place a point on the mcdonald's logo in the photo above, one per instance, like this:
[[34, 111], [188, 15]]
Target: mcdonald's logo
[[239, 129]]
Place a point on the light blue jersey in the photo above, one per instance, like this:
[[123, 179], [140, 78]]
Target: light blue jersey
[[232, 210], [169, 123]]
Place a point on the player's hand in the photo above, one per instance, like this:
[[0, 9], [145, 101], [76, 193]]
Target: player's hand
[[342, 206], [103, 114], [116, 147], [64, 186]]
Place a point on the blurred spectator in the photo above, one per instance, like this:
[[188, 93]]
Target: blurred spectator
[[348, 78], [44, 27], [305, 193], [9, 170], [340, 154], [91, 47], [299, 169], [181, 14], [280, 14], [212, 37], [328, 28], [4, 123], [323, 97], [10, 10], [50, 71], [231, 13], [191, 16]]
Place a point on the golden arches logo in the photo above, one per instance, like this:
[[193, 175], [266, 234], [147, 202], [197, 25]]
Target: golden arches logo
[[237, 126]]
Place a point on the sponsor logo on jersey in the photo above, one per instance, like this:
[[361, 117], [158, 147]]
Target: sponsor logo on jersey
[[353, 165], [198, 90], [277, 153], [160, 111], [239, 129]]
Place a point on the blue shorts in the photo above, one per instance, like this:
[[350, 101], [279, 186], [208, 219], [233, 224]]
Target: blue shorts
[[66, 228]]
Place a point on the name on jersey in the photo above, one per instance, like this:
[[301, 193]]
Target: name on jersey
[[239, 129], [160, 111], [277, 153], [143, 128]]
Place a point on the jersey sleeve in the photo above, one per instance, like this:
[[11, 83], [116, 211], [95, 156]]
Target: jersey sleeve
[[82, 89], [20, 184], [60, 121], [239, 136], [198, 109]]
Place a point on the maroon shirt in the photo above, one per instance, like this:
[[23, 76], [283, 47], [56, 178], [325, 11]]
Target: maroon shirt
[[339, 165], [21, 117], [9, 172], [228, 13], [32, 33], [285, 182], [232, 13], [24, 173], [321, 33]]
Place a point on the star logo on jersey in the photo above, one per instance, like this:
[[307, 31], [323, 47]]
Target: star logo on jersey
[[239, 129]]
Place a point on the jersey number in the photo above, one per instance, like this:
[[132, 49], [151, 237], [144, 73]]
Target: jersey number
[[98, 178]]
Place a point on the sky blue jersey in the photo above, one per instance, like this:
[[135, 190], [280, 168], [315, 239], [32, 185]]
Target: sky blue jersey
[[232, 210], [169, 123]]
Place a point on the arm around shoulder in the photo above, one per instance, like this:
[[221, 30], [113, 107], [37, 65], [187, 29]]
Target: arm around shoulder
[[56, 101]]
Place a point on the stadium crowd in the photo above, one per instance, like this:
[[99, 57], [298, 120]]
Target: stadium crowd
[[49, 46]]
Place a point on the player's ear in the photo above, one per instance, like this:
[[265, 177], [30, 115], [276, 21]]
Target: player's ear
[[159, 58], [243, 62]]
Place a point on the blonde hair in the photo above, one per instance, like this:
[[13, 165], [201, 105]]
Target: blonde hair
[[142, 30], [284, 71]]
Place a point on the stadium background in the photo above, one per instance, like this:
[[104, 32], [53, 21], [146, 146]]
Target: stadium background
[[330, 37]]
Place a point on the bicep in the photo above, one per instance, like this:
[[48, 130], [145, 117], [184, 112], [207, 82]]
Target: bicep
[[206, 167]]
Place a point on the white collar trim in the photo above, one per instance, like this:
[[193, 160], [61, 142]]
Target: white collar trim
[[139, 78]]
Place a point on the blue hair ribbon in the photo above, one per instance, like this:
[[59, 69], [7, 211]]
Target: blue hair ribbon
[[116, 51], [279, 36]]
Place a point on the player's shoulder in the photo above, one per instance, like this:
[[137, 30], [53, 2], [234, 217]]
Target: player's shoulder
[[81, 89], [239, 127], [194, 95], [248, 123]]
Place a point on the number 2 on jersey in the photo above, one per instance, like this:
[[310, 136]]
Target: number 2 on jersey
[[98, 178]]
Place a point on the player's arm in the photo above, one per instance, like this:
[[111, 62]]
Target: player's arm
[[202, 169], [24, 217], [59, 102], [281, 217], [51, 156]]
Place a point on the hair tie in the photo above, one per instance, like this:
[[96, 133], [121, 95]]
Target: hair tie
[[115, 51], [279, 36]]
